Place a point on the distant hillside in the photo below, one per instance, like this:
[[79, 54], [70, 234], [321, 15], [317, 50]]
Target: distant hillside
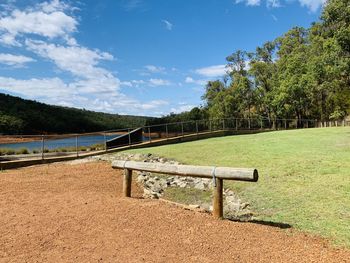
[[20, 116]]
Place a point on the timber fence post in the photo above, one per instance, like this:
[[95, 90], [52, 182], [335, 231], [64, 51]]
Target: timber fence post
[[105, 140], [127, 182], [76, 145], [197, 127], [218, 208], [166, 131], [42, 146], [129, 136], [149, 134], [223, 124], [182, 129]]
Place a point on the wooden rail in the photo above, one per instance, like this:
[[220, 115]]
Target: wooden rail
[[216, 173]]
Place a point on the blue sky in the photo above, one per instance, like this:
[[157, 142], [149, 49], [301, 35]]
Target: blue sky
[[141, 57]]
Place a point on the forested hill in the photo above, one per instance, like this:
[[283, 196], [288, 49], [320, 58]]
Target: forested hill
[[19, 116]]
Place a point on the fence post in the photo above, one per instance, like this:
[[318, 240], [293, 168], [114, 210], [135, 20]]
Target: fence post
[[223, 124], [261, 124], [129, 136], [236, 125], [76, 145], [127, 183], [210, 125], [344, 123], [218, 208], [182, 129], [166, 131], [42, 147], [249, 123], [197, 127], [149, 134], [285, 124], [105, 139]]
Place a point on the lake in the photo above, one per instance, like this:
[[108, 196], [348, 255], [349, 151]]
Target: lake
[[51, 144]]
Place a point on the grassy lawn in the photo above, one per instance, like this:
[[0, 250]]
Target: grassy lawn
[[304, 175]]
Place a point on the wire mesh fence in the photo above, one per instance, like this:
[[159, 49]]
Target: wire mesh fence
[[14, 147]]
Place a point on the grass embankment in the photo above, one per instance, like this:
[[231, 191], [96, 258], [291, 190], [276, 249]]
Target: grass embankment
[[304, 175]]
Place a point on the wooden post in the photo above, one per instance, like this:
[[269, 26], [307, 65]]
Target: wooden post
[[182, 129], [197, 127], [166, 131], [42, 147], [218, 207], [149, 134], [76, 145], [127, 183], [210, 126], [261, 124], [236, 124], [249, 123], [223, 124], [285, 124], [105, 139], [129, 136]]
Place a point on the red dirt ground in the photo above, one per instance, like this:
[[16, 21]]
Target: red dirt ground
[[74, 213]]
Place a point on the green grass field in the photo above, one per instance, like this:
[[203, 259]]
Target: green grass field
[[304, 175]]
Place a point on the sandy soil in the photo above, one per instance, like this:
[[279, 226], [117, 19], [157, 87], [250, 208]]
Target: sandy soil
[[6, 140], [74, 213]]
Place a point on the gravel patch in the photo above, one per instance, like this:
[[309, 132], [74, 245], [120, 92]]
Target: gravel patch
[[75, 213]]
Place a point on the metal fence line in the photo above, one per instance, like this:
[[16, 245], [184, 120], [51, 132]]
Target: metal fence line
[[75, 143]]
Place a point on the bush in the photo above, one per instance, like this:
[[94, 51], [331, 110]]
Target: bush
[[8, 152], [22, 151]]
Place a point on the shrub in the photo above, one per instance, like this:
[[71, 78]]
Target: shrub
[[22, 151]]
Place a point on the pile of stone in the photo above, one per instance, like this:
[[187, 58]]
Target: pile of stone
[[154, 185]]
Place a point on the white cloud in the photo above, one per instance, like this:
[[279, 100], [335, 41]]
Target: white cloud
[[168, 25], [182, 107], [78, 60], [273, 3], [154, 104], [91, 86], [274, 18], [159, 82], [312, 5], [212, 71], [154, 69], [14, 60], [132, 4], [196, 81], [47, 20]]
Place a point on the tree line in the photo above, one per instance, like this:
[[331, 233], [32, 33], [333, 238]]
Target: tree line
[[19, 116], [303, 74]]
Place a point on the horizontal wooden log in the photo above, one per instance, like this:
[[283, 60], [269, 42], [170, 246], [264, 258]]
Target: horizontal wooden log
[[227, 173]]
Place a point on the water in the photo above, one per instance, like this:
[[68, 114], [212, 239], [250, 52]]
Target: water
[[52, 144]]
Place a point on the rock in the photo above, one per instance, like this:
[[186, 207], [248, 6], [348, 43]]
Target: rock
[[200, 186]]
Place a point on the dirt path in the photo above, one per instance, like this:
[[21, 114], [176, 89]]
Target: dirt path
[[74, 213]]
